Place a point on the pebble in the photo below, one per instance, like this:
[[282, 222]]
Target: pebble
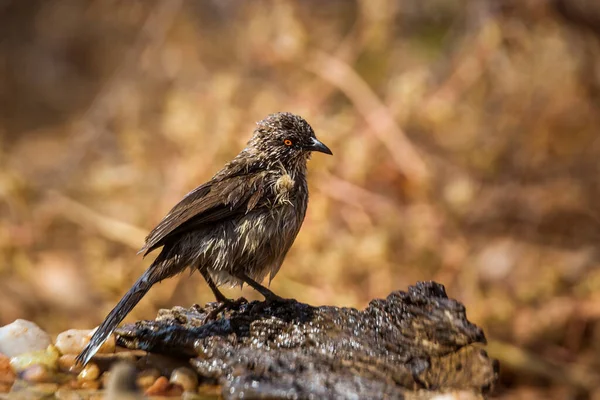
[[186, 378], [163, 363], [74, 340], [90, 372], [7, 375], [47, 358], [68, 394], [46, 389], [22, 336], [5, 387], [37, 373], [194, 396], [162, 387], [6, 372], [147, 377], [90, 385], [67, 363], [25, 390]]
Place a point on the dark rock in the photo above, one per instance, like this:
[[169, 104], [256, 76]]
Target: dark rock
[[411, 341]]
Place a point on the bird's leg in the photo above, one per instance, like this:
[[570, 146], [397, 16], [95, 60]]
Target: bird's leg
[[227, 304], [221, 298], [269, 295]]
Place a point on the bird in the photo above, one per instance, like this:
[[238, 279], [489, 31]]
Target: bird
[[236, 228]]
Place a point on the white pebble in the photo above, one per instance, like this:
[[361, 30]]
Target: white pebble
[[22, 336], [186, 378], [74, 340]]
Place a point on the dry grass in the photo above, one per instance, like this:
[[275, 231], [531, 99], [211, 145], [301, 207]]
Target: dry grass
[[465, 141]]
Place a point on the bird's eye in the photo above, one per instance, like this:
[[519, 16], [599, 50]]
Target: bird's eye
[[287, 142]]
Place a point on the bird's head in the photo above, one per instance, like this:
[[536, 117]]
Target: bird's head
[[286, 138]]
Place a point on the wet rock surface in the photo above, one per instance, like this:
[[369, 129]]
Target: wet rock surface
[[409, 345]]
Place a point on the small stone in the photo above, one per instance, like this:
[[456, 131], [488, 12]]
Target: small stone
[[174, 390], [186, 378], [158, 387], [162, 387], [22, 336], [37, 373], [90, 372], [45, 389], [191, 396], [74, 340], [163, 363], [26, 390], [146, 378], [68, 363], [68, 394], [7, 375], [90, 385], [47, 358]]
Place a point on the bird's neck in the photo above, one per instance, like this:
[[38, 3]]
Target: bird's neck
[[291, 165], [248, 161]]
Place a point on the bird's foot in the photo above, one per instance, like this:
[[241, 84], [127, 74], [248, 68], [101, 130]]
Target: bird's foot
[[271, 300], [227, 304]]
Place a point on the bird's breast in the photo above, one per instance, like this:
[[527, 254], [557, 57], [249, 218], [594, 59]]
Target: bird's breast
[[259, 240], [284, 189]]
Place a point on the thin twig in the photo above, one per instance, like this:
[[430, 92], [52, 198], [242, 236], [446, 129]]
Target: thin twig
[[93, 122], [350, 193], [110, 228], [377, 115]]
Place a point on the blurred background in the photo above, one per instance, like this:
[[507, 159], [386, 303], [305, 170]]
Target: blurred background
[[466, 147]]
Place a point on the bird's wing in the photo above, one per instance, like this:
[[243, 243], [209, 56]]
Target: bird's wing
[[208, 203]]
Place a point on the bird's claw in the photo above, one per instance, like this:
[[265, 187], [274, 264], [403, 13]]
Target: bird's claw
[[275, 299], [227, 304], [269, 301]]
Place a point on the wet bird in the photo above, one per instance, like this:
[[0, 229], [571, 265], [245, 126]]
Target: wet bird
[[235, 228]]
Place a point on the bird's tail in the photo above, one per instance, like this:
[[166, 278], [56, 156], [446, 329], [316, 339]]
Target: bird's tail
[[155, 273]]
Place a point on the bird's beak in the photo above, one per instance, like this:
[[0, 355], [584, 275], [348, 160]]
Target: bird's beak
[[318, 146]]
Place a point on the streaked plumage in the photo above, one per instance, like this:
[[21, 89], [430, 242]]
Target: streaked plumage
[[237, 227]]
